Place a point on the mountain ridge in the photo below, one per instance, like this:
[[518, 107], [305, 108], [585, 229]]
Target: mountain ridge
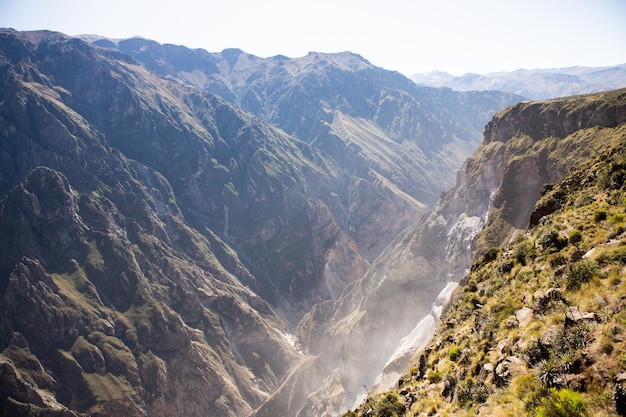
[[196, 234], [314, 99], [535, 84]]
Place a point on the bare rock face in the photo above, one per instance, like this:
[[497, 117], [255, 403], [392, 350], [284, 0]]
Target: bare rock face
[[102, 360], [535, 131], [397, 144], [507, 369]]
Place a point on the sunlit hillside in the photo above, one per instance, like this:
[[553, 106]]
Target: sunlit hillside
[[538, 327]]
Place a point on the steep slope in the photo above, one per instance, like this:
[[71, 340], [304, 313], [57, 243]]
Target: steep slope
[[155, 242], [156, 239], [440, 248], [241, 179], [538, 84], [539, 317], [399, 144]]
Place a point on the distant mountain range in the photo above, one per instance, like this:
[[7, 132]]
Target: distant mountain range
[[537, 84]]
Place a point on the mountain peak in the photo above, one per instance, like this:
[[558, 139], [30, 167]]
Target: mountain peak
[[34, 36], [344, 60]]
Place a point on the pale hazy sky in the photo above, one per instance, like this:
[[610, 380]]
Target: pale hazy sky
[[457, 36]]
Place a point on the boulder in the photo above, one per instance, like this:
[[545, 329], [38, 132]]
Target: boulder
[[575, 315], [507, 368], [524, 316]]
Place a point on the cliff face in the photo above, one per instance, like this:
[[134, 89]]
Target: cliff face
[[544, 140], [262, 192], [159, 244], [537, 322], [126, 279]]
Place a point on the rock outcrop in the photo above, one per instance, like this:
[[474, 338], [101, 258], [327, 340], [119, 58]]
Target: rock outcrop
[[515, 319]]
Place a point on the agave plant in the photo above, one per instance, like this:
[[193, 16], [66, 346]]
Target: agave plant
[[548, 372]]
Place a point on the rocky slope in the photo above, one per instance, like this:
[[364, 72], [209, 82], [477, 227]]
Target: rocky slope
[[114, 301], [399, 144], [159, 244], [538, 84], [536, 325]]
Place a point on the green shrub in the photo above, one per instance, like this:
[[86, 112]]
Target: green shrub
[[617, 218], [575, 236], [557, 260], [529, 390], [491, 255], [547, 372], [470, 392], [454, 352], [581, 271], [550, 239], [535, 352], [573, 337], [599, 215], [563, 403], [522, 251], [613, 254], [434, 377], [389, 406]]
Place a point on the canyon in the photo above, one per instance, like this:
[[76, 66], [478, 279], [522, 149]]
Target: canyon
[[194, 233]]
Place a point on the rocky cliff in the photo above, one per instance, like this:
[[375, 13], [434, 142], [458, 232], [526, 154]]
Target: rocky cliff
[[525, 147], [517, 337], [114, 301]]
